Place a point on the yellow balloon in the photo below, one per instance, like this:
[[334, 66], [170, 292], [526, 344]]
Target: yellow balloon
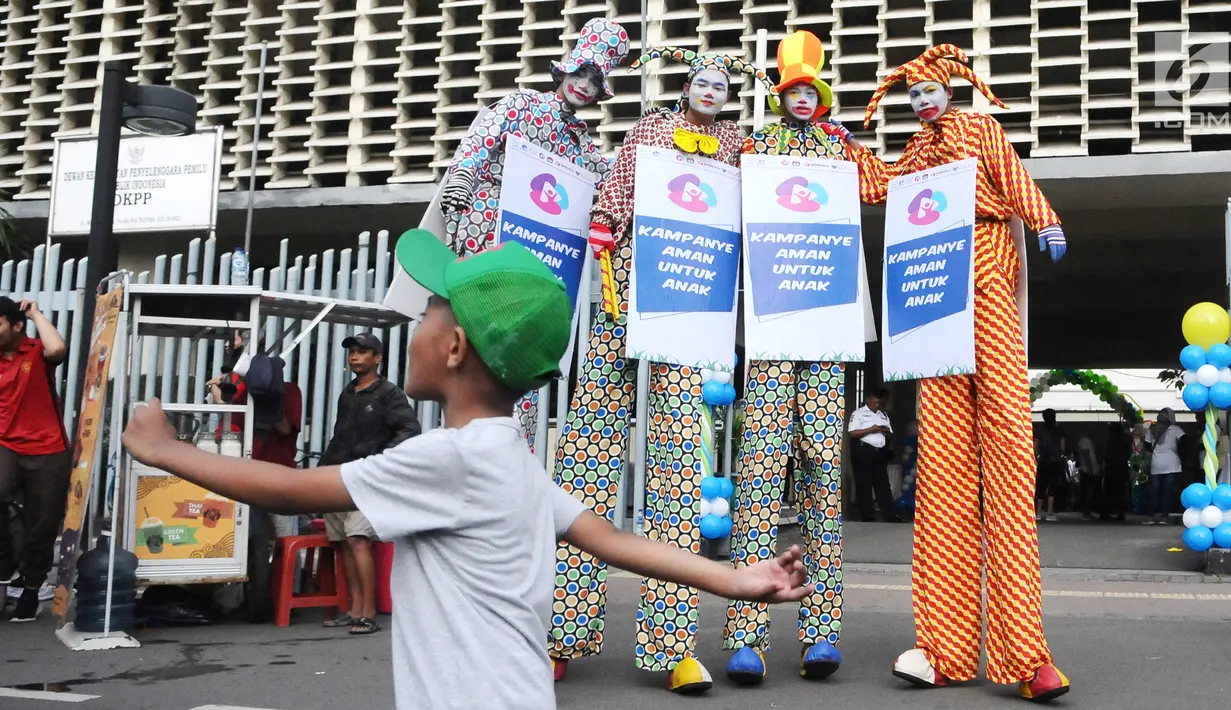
[[1206, 324]]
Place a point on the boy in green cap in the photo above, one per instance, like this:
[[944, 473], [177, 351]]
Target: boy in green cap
[[474, 516]]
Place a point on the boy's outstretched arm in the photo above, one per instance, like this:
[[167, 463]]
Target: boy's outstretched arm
[[150, 439], [777, 580]]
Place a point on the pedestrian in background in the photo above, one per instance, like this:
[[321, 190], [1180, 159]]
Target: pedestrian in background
[[373, 415], [870, 431], [35, 457], [1052, 467], [1116, 454], [1163, 441]]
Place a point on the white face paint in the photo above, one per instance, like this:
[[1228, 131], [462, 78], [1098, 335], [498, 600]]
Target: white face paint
[[929, 99], [801, 101], [582, 87], [708, 92]]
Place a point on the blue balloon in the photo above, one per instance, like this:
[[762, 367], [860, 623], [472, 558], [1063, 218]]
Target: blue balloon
[[1219, 355], [727, 525], [1222, 536], [1193, 356], [711, 487], [1197, 496], [727, 490], [737, 358], [1222, 497], [1198, 539], [728, 393], [711, 527], [1196, 396], [712, 392], [1220, 395]]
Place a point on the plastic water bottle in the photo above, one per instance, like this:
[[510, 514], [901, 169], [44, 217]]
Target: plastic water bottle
[[91, 588], [239, 268]]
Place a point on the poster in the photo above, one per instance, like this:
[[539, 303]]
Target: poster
[[86, 444], [686, 241], [805, 283], [929, 273], [178, 520], [545, 206]]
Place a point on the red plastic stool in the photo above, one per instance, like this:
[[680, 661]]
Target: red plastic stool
[[383, 552], [330, 578]]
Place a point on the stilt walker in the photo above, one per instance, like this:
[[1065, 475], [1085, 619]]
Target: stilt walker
[[593, 447], [976, 469], [471, 196], [792, 408]]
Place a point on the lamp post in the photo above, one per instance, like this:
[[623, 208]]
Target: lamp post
[[149, 110]]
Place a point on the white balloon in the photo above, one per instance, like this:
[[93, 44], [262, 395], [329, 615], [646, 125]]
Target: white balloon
[[721, 377], [1207, 375], [707, 375], [706, 507], [1211, 516], [1224, 375], [1192, 518], [1190, 376], [722, 508]]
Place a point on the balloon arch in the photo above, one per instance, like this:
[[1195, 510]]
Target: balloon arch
[[1093, 383]]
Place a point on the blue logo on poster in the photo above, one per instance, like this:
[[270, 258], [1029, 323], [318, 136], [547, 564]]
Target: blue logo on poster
[[795, 267], [562, 251], [684, 267], [927, 279]]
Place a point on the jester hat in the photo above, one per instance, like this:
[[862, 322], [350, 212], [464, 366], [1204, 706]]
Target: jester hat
[[698, 63], [602, 44], [933, 65], [801, 55]]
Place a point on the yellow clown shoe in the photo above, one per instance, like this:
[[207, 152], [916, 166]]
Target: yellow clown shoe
[[689, 677], [1047, 684]]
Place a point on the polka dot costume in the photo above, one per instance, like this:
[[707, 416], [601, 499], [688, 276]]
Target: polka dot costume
[[592, 453], [795, 410]]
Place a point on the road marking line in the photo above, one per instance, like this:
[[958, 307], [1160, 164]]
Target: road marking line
[[228, 707], [45, 695]]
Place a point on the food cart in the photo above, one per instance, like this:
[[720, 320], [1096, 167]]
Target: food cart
[[180, 532]]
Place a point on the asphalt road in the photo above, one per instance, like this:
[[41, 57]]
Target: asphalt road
[[1124, 645]]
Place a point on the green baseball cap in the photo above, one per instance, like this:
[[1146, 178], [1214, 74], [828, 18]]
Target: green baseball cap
[[515, 312]]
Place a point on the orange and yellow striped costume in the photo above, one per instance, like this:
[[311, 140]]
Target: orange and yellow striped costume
[[975, 432]]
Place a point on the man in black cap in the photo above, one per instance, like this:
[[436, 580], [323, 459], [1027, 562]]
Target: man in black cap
[[373, 415]]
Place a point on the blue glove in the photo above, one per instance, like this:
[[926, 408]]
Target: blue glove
[[1051, 238], [846, 134]]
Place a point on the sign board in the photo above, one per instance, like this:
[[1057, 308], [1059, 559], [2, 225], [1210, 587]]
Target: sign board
[[929, 273], [686, 221], [86, 445], [164, 184], [805, 284], [178, 520], [545, 206]]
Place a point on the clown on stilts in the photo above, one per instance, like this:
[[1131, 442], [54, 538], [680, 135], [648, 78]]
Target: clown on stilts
[[470, 199], [594, 444], [792, 407], [976, 468]]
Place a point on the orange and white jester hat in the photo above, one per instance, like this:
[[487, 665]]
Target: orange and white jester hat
[[940, 64], [801, 55]]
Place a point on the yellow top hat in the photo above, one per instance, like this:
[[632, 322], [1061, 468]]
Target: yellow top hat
[[801, 56]]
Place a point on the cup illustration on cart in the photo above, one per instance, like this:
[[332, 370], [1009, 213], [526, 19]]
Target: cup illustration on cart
[[151, 530], [213, 508]]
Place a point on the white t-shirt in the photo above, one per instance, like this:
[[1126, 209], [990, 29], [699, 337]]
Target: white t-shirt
[[1166, 457], [865, 418], [475, 521]]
